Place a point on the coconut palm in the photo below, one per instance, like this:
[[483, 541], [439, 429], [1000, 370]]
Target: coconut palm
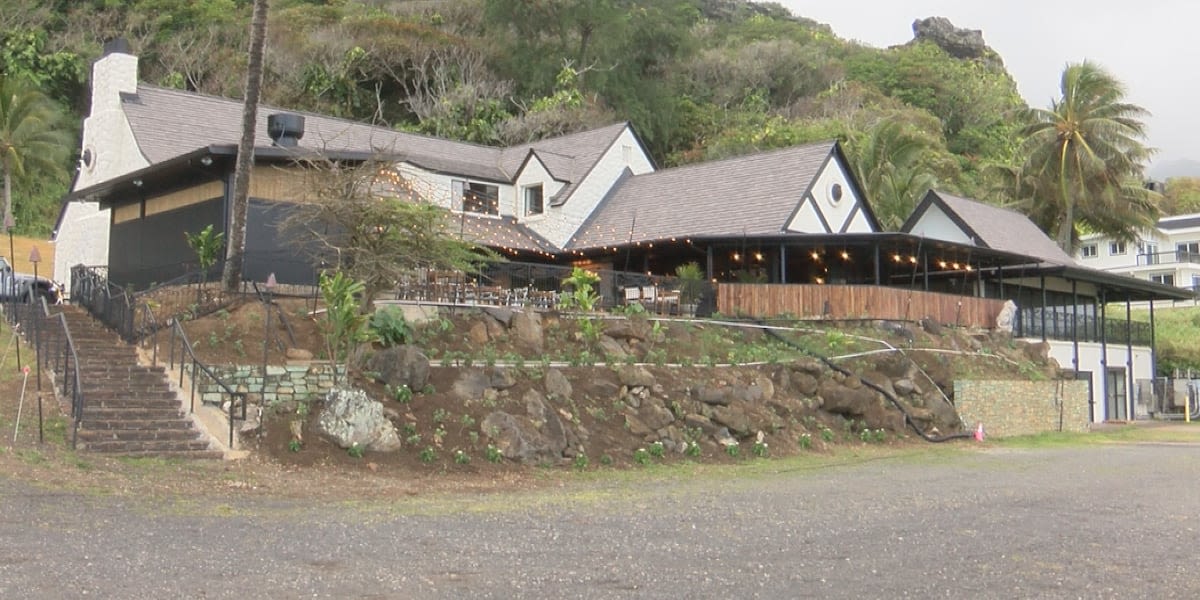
[[1087, 155], [890, 160], [231, 277], [32, 136]]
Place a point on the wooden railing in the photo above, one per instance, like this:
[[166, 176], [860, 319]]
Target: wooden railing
[[855, 302]]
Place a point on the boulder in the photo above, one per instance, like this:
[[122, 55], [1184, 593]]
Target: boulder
[[611, 348], [636, 426], [804, 383], [733, 417], [627, 330], [931, 326], [717, 396], [400, 365], [351, 418], [842, 400], [477, 334], [1007, 316], [471, 384], [633, 376], [499, 314], [557, 385], [298, 354], [495, 329], [655, 415], [500, 379], [529, 440], [701, 422], [811, 366], [528, 327]]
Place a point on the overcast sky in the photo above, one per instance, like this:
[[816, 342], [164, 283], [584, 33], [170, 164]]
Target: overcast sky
[[1150, 45]]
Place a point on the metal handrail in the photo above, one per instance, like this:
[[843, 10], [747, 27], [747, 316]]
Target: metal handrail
[[64, 362], [186, 347]]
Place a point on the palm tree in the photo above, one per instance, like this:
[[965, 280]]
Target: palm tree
[[889, 160], [231, 277], [1086, 154], [32, 138]]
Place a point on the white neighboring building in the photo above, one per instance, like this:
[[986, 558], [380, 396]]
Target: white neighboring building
[[1072, 306], [1170, 254]]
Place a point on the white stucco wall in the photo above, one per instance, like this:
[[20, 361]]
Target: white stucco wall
[[1117, 356], [82, 237], [935, 224], [534, 173], [560, 223], [838, 214]]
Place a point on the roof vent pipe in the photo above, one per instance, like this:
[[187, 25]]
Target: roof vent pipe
[[285, 129]]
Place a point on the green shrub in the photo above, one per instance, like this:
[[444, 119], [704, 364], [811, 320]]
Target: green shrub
[[389, 326]]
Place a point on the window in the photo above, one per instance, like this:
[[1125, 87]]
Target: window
[[1088, 251], [1163, 278], [534, 201], [1187, 252], [1116, 248], [1148, 253], [1195, 283], [477, 197]]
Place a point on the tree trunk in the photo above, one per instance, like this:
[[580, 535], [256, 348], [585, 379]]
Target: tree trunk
[[8, 216], [231, 277], [1066, 227]]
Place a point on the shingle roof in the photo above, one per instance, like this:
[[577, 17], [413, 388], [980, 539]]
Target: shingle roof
[[994, 227], [498, 232], [748, 195], [169, 123]]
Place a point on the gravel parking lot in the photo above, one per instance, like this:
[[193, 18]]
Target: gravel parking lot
[[1086, 522]]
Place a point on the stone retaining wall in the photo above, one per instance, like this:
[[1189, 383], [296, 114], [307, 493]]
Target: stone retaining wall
[[1008, 408], [298, 382]]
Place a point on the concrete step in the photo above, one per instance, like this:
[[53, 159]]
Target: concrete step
[[102, 435], [148, 447], [91, 413], [169, 454], [140, 424], [119, 402]]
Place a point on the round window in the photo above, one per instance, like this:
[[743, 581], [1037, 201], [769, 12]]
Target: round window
[[835, 193], [89, 159]]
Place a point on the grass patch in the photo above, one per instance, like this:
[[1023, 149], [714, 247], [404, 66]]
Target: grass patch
[[1133, 434]]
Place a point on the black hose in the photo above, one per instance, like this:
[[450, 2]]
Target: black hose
[[886, 394]]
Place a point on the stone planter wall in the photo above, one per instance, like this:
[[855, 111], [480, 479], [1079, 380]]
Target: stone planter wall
[[1008, 408], [298, 382]]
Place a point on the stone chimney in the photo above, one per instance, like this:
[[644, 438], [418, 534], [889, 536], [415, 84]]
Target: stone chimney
[[109, 148]]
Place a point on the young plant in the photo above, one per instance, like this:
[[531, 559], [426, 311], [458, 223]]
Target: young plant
[[295, 445], [389, 326], [428, 455], [401, 393], [693, 449], [826, 435], [641, 456], [759, 449], [580, 462], [461, 458], [355, 451], [657, 450], [344, 327], [804, 441], [493, 454]]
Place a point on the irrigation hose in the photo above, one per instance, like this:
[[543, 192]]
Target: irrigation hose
[[886, 394]]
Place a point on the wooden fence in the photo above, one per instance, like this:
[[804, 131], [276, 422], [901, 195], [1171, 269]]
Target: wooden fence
[[856, 302]]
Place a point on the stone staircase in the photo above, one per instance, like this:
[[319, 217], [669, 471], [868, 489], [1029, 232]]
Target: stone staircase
[[129, 409]]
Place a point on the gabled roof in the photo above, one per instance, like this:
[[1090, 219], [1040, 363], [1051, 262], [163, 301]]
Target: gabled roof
[[169, 123], [498, 232], [748, 195], [991, 227]]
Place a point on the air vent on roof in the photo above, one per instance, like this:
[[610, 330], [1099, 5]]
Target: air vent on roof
[[285, 129], [116, 46]]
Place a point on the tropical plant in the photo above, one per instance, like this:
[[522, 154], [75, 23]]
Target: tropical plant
[[345, 326], [390, 327], [691, 282], [583, 294], [207, 245], [32, 138], [1084, 156], [890, 161]]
